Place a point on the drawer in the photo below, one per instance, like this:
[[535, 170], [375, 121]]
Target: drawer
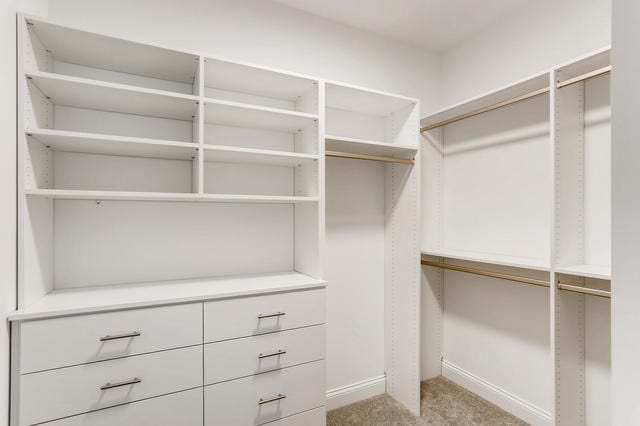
[[256, 354], [96, 337], [52, 394], [181, 408], [265, 397], [315, 417], [232, 318]]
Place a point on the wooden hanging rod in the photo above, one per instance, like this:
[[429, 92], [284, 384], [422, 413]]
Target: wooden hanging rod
[[583, 77], [520, 98], [369, 157], [584, 290], [508, 277]]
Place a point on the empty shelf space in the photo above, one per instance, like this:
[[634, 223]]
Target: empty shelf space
[[69, 194], [230, 154], [588, 271], [115, 97], [352, 98], [84, 48], [226, 113], [126, 296], [92, 143], [362, 146], [247, 79], [490, 258]]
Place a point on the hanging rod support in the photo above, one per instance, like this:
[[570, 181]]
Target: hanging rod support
[[508, 277], [369, 157]]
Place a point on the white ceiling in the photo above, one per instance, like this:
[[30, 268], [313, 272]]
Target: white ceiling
[[434, 24]]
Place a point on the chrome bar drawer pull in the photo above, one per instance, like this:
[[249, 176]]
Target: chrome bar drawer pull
[[119, 336], [270, 354], [272, 399], [275, 314], [119, 384]]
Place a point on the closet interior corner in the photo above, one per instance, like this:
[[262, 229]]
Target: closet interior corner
[[516, 190]]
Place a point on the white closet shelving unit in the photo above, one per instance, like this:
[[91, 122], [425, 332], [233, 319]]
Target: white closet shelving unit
[[373, 210], [147, 167], [516, 190]]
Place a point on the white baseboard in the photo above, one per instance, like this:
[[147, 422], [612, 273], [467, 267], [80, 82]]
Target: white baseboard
[[492, 393], [355, 392]]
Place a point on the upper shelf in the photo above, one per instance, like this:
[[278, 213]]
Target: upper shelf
[[490, 258], [109, 53], [538, 82], [353, 98], [588, 271], [117, 297], [231, 154], [75, 194], [92, 143], [227, 113], [235, 77], [115, 97], [362, 146]]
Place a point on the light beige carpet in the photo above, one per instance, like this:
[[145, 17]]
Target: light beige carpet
[[442, 403]]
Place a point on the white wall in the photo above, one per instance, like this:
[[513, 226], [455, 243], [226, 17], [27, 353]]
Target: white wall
[[533, 38], [265, 33], [625, 316]]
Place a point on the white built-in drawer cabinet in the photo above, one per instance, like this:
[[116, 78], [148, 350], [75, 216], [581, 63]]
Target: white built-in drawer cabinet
[[238, 361]]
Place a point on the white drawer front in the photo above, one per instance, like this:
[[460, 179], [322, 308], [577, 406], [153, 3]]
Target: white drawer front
[[182, 408], [231, 359], [315, 417], [237, 402], [50, 395], [76, 340], [232, 318]]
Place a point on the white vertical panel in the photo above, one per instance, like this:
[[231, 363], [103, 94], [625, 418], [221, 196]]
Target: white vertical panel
[[402, 282], [432, 312], [625, 297], [432, 170]]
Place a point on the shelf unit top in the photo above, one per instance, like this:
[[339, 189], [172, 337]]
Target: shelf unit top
[[227, 113], [236, 77], [93, 94], [231, 154], [88, 48], [353, 98], [600, 272], [137, 295], [490, 258], [520, 88], [585, 64], [93, 143], [76, 194], [363, 146]]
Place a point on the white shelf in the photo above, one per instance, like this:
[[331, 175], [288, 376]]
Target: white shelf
[[539, 81], [229, 154], [588, 271], [86, 48], [362, 146], [105, 96], [92, 143], [353, 98], [491, 258], [136, 295], [241, 78], [227, 113], [74, 194]]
